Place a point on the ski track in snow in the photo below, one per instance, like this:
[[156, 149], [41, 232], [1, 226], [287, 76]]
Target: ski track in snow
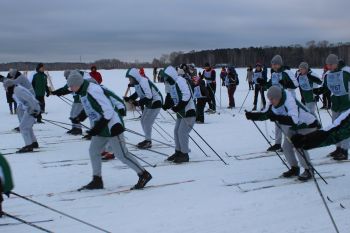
[[205, 205]]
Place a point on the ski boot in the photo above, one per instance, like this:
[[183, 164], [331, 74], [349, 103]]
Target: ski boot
[[173, 156], [96, 183], [25, 149], [254, 108], [276, 147], [294, 171], [35, 145], [76, 131], [144, 145], [263, 108], [182, 158], [144, 178], [335, 152], [305, 176], [342, 155], [16, 129]]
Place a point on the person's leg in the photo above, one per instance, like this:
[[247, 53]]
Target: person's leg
[[96, 147], [278, 135], [120, 150], [200, 109], [213, 86], [26, 126], [230, 96], [148, 121], [233, 96], [335, 116], [210, 92], [40, 99], [288, 151], [262, 94], [75, 111], [304, 163], [311, 107], [256, 93], [176, 138], [184, 132]]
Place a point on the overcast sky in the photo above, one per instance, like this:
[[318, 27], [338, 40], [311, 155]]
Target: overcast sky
[[64, 30]]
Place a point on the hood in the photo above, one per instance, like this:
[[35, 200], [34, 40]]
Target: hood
[[135, 74], [170, 72]]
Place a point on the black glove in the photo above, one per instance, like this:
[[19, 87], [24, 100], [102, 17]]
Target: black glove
[[60, 92], [122, 112], [145, 101], [87, 137], [47, 94], [35, 114], [253, 116], [74, 120], [260, 81], [126, 98], [175, 108], [98, 127]]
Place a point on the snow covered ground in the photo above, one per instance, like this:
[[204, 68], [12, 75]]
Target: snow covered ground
[[204, 204]]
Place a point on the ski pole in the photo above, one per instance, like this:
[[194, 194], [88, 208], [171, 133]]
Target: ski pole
[[55, 124], [26, 222], [200, 148], [141, 159], [244, 101], [154, 151], [69, 100], [60, 212], [301, 152], [318, 112], [326, 109], [204, 141], [267, 140], [159, 127], [64, 100], [141, 135]]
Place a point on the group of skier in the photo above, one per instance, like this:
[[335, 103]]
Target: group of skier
[[296, 120], [186, 94]]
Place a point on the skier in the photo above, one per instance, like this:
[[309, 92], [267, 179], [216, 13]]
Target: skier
[[155, 72], [13, 74], [107, 127], [223, 75], [326, 94], [6, 182], [292, 117], [149, 96], [259, 89], [306, 79], [338, 131], [77, 107], [231, 82], [179, 99], [337, 82], [249, 79], [200, 95], [28, 109], [281, 76], [95, 74], [40, 87], [209, 75]]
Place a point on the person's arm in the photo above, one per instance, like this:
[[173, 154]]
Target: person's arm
[[288, 82], [314, 78]]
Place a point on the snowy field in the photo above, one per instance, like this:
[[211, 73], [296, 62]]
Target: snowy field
[[255, 202]]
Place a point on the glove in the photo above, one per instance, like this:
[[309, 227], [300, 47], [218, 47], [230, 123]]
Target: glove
[[135, 103], [48, 94], [253, 116], [87, 137], [175, 108], [145, 101], [122, 112], [126, 99], [98, 127], [260, 81], [35, 114]]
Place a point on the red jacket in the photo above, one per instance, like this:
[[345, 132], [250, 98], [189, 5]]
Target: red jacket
[[97, 76]]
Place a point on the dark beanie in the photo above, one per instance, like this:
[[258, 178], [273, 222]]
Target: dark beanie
[[39, 66]]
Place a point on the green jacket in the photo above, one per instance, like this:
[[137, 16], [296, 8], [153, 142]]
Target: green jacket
[[39, 84], [340, 100], [5, 175]]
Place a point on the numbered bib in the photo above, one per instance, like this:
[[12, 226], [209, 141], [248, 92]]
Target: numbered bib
[[90, 111], [276, 78], [304, 83], [335, 83], [197, 92]]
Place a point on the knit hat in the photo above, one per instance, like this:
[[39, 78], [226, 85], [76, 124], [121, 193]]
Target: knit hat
[[39, 66], [304, 65], [13, 72], [8, 83], [332, 59], [277, 60], [66, 73], [274, 92], [75, 79]]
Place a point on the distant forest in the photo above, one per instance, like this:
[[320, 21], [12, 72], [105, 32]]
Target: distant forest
[[312, 52]]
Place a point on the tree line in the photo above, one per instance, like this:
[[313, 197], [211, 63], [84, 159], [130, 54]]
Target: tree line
[[312, 52]]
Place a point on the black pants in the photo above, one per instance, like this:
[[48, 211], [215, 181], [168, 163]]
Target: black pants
[[41, 100], [327, 100], [200, 109], [211, 87], [259, 89], [251, 85]]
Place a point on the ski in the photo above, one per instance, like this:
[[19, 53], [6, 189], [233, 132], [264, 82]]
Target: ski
[[330, 162], [250, 153], [16, 153], [128, 190], [65, 165], [20, 223], [290, 182]]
